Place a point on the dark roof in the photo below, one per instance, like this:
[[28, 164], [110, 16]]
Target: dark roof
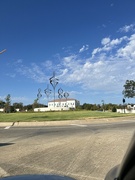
[[62, 100]]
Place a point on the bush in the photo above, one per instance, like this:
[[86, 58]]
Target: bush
[[114, 109]]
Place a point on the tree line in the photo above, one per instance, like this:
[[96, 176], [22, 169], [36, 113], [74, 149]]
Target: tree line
[[6, 105], [101, 107]]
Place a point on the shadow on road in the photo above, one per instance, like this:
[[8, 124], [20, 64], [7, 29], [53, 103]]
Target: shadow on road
[[5, 144]]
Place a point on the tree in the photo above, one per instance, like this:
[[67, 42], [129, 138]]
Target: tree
[[28, 107], [8, 103], [129, 89], [35, 103], [18, 106], [114, 109], [2, 104]]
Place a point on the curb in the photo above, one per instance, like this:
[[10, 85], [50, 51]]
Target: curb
[[62, 123]]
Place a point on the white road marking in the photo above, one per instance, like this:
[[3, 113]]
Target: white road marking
[[128, 120], [80, 125], [7, 127]]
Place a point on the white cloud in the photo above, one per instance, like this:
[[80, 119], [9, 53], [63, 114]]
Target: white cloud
[[105, 41], [15, 98], [127, 28], [19, 99], [19, 61], [109, 66], [104, 26], [11, 75], [84, 48], [34, 72], [47, 64], [68, 59], [100, 75], [107, 72], [73, 94], [128, 51], [108, 45]]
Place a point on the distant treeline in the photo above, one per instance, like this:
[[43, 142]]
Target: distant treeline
[[85, 106], [19, 106], [99, 107]]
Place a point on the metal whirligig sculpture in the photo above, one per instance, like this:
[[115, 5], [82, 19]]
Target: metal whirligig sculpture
[[60, 94], [47, 92], [39, 95], [54, 82], [66, 94]]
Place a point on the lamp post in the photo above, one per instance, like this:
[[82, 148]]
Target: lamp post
[[54, 82]]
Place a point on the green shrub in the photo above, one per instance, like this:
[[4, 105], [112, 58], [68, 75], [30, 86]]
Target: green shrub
[[114, 109]]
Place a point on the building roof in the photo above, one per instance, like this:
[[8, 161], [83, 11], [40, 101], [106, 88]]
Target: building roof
[[63, 100]]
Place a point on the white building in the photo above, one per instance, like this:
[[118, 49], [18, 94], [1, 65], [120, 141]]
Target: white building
[[129, 109], [59, 104]]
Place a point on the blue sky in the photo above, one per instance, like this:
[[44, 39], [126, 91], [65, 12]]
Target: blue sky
[[90, 44]]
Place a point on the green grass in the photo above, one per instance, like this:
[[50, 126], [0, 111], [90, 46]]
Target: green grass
[[57, 116]]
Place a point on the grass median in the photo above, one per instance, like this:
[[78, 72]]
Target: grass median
[[58, 116]]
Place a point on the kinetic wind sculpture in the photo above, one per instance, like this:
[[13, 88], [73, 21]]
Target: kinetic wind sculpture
[[66, 94], [39, 95], [60, 94], [47, 92], [54, 82]]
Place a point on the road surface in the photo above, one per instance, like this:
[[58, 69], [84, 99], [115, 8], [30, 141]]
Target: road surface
[[84, 152]]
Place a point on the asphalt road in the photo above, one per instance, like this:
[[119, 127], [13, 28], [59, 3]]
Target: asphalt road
[[84, 152]]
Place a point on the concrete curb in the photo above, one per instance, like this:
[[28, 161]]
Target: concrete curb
[[45, 123], [66, 122]]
